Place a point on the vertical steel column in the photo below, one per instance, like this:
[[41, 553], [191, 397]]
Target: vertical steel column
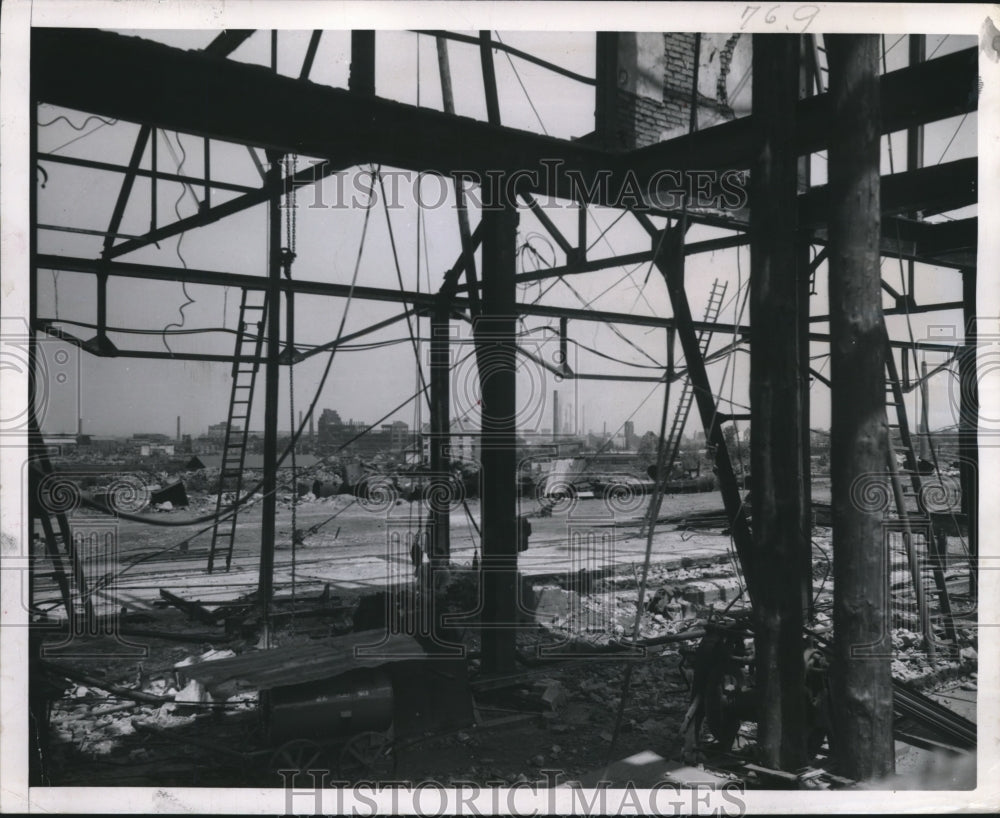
[[776, 386], [915, 140], [440, 427], [803, 274], [272, 371], [606, 91], [494, 332], [465, 233], [968, 426], [862, 689], [362, 76], [489, 78]]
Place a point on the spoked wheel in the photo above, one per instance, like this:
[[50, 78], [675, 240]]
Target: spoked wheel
[[300, 755], [367, 755]]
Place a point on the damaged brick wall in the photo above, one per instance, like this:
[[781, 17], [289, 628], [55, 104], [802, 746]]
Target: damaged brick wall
[[655, 72]]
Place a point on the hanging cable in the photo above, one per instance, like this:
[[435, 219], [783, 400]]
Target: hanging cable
[[55, 291], [177, 249], [76, 139], [399, 278], [946, 147], [179, 163], [938, 46], [69, 122]]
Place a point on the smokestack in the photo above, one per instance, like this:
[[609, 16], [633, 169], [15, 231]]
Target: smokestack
[[556, 420], [311, 435], [300, 422], [178, 427], [79, 425]]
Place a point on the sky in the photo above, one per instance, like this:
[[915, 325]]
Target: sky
[[123, 396]]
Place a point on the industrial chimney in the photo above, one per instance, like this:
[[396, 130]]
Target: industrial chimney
[[556, 426]]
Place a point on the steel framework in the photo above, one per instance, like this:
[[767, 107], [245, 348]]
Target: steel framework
[[207, 95]]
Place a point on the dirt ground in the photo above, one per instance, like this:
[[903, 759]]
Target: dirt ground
[[101, 737]]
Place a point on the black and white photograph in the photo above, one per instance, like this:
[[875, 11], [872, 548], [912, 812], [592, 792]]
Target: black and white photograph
[[481, 408]]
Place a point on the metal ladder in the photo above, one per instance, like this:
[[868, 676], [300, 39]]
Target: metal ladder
[[673, 441], [249, 342], [56, 530], [894, 399], [895, 391]]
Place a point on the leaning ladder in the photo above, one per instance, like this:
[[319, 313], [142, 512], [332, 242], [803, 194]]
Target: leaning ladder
[[246, 363], [894, 400], [44, 507], [673, 441]]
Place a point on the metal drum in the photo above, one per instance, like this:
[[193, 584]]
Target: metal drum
[[350, 703]]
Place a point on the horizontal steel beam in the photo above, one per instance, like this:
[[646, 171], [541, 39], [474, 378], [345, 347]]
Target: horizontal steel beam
[[143, 172], [427, 301], [934, 189], [944, 244], [147, 82], [141, 81]]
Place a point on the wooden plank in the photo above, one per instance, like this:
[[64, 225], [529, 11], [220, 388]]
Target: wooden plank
[[192, 609], [295, 664]]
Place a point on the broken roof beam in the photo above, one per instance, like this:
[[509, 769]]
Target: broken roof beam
[[142, 81]]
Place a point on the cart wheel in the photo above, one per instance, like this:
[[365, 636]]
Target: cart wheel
[[299, 755], [367, 755]]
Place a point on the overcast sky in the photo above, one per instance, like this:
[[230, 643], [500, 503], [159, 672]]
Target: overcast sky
[[122, 396]]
